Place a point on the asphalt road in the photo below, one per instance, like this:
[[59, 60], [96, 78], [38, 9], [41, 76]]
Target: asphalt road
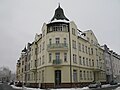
[[110, 88], [6, 87]]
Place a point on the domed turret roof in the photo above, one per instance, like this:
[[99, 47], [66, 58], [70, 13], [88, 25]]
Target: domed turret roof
[[59, 14]]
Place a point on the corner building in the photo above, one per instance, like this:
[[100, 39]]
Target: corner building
[[64, 56]]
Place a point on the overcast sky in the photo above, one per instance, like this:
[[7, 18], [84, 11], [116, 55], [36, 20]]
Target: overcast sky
[[20, 20]]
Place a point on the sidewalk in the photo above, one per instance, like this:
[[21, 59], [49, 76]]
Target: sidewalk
[[84, 88]]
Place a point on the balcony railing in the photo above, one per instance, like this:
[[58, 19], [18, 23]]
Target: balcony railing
[[57, 46], [57, 62]]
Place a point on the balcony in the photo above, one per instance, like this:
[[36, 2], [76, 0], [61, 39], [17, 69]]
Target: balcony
[[58, 46], [97, 69], [57, 62]]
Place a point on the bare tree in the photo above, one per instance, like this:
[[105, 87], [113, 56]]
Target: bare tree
[[5, 74]]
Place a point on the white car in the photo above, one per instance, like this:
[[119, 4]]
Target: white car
[[95, 85]]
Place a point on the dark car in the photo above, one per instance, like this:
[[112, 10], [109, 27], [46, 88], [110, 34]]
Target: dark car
[[95, 85], [11, 83], [113, 83], [18, 84]]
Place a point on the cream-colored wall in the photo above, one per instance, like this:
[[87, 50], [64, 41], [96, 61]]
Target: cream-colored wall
[[50, 74], [60, 35], [49, 68]]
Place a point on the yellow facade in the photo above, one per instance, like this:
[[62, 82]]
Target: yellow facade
[[62, 56]]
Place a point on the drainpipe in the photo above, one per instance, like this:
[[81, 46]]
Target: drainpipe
[[36, 62], [111, 62], [70, 56]]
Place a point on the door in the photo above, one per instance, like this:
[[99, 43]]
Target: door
[[57, 78]]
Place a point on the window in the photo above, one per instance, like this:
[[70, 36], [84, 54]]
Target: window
[[28, 77], [97, 64], [74, 44], [87, 75], [65, 57], [57, 40], [25, 67], [91, 75], [74, 58], [39, 75], [75, 75], [93, 63], [43, 59], [92, 51], [50, 57], [84, 61], [89, 51], [90, 62], [29, 57], [32, 51], [43, 45], [86, 49], [81, 75], [57, 28], [50, 41], [96, 51], [83, 47], [65, 28], [35, 50], [22, 62], [22, 69], [65, 41], [87, 61], [80, 61], [42, 76], [36, 64], [84, 75], [92, 41], [57, 56], [79, 46], [73, 31], [40, 60]]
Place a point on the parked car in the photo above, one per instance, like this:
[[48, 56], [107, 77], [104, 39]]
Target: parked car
[[18, 84], [113, 83], [95, 85], [11, 83]]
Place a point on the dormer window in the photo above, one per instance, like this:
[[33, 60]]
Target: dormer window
[[57, 28]]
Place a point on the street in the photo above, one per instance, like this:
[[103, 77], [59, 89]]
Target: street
[[113, 88], [107, 89], [6, 87]]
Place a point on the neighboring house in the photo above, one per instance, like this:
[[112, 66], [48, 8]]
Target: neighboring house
[[62, 56], [112, 63]]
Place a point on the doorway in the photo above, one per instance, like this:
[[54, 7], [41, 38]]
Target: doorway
[[57, 78]]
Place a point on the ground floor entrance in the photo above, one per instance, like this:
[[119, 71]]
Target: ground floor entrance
[[57, 78]]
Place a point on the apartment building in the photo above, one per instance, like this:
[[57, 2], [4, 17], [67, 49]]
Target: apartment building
[[112, 63], [62, 56]]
